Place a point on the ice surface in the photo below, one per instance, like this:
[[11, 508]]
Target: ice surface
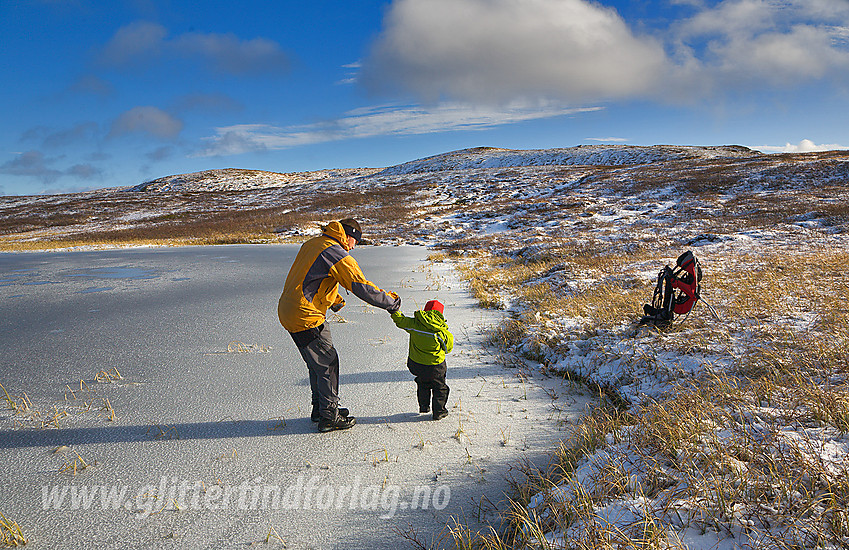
[[194, 410]]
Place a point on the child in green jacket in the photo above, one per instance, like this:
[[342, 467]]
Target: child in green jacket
[[430, 340]]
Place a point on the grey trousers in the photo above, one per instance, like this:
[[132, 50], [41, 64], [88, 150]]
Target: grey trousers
[[316, 347]]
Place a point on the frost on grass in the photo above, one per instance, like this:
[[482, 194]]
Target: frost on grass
[[718, 432]]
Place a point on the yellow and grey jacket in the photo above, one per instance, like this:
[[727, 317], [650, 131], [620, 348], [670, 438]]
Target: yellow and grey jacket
[[322, 264]]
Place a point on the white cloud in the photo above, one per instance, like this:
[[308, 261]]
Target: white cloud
[[143, 41], [760, 43], [378, 121], [351, 73], [160, 153], [34, 164], [804, 146], [91, 84], [228, 54], [56, 139], [134, 42], [236, 140], [84, 171], [608, 139], [500, 50], [146, 120], [207, 102], [579, 50]]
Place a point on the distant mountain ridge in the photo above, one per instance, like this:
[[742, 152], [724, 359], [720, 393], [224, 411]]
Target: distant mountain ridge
[[238, 179], [588, 155], [235, 179]]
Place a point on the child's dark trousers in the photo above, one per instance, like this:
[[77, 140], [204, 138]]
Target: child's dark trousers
[[430, 380]]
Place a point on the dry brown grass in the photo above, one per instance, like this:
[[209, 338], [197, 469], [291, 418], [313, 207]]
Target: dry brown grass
[[705, 459], [11, 535], [196, 218], [714, 454]]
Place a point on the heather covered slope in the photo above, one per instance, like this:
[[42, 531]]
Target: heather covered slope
[[468, 192]]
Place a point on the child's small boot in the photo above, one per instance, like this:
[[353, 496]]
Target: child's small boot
[[423, 395]]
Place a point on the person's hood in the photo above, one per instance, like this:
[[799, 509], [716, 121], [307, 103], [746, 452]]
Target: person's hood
[[431, 319], [335, 231]]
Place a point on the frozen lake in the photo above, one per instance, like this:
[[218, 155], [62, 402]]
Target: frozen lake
[[211, 443]]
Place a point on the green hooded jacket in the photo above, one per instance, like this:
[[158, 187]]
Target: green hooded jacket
[[430, 338]]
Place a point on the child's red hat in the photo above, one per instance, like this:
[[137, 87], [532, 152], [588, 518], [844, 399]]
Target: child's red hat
[[434, 305]]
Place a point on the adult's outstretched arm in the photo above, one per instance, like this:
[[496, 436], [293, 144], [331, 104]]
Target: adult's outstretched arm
[[348, 273]]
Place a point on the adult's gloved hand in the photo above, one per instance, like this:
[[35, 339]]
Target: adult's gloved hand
[[397, 305]]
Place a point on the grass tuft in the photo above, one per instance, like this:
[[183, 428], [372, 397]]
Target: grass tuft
[[11, 535]]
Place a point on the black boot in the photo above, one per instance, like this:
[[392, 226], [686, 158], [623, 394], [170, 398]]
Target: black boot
[[316, 413], [423, 395], [338, 423]]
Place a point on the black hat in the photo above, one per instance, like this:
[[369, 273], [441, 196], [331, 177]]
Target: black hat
[[352, 228]]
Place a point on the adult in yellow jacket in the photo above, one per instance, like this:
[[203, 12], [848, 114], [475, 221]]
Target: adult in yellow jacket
[[312, 287]]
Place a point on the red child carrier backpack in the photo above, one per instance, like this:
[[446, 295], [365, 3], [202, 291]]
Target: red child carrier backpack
[[677, 291]]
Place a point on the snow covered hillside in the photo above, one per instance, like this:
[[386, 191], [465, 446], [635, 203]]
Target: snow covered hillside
[[459, 194], [593, 155], [232, 179]]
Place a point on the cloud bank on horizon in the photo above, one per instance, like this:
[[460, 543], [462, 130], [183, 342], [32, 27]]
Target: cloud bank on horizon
[[435, 67]]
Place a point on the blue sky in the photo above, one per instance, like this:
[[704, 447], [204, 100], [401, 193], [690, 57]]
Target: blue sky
[[109, 93]]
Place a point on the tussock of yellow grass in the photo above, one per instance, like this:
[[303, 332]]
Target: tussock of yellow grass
[[11, 535], [72, 467]]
